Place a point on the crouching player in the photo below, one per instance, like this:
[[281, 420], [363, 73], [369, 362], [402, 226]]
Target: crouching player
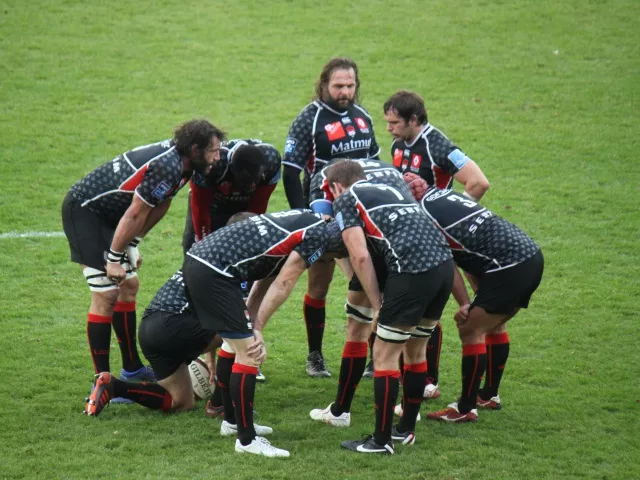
[[420, 276], [507, 267], [273, 250]]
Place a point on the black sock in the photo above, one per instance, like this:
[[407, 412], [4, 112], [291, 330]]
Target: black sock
[[150, 395], [124, 324], [99, 336], [216, 396], [385, 392], [474, 363], [243, 389], [354, 360], [433, 354], [414, 380], [497, 355], [314, 318], [224, 366]]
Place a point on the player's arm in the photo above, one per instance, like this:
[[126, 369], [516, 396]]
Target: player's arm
[[258, 291], [297, 149], [280, 289], [260, 199], [201, 200], [474, 181], [356, 243], [459, 289], [293, 186], [155, 215]]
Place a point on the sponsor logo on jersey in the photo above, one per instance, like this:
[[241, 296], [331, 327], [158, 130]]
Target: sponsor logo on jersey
[[289, 145], [397, 157], [334, 131], [458, 158], [416, 161], [351, 131], [346, 120], [362, 125], [405, 163], [161, 190], [343, 147], [315, 256]]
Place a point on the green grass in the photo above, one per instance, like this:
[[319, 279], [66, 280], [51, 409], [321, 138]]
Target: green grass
[[543, 95]]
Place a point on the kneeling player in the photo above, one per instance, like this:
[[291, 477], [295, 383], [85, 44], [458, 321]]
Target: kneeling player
[[420, 275], [507, 266], [280, 245]]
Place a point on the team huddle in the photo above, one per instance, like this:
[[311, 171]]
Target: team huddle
[[398, 231]]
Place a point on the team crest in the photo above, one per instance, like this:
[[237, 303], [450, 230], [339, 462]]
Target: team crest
[[351, 131]]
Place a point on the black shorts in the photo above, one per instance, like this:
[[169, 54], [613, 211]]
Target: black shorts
[[216, 301], [380, 267], [88, 234], [410, 297], [170, 339], [505, 291]]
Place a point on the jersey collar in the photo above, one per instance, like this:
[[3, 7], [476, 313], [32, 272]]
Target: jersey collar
[[425, 129]]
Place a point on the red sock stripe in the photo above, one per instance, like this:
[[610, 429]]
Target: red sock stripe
[[355, 350], [475, 349], [386, 373], [93, 318], [416, 367], [125, 307], [145, 392], [347, 380], [224, 354], [239, 368], [499, 339], [312, 302], [167, 402]]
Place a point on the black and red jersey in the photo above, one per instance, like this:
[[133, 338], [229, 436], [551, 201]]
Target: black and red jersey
[[320, 134], [431, 155], [481, 241], [171, 297], [257, 247], [395, 225], [377, 172], [152, 172]]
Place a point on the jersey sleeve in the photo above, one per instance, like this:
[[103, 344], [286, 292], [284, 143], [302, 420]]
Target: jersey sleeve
[[313, 244], [346, 212], [273, 161], [320, 196], [297, 147], [445, 154], [158, 182]]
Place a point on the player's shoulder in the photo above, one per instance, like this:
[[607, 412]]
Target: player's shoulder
[[360, 109], [432, 132], [310, 110]]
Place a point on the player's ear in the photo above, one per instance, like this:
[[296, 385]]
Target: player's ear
[[194, 150], [413, 121]]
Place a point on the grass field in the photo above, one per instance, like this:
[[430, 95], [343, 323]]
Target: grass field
[[544, 96]]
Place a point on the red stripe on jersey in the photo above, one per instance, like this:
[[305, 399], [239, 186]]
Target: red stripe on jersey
[[130, 184], [327, 191], [369, 227], [441, 178], [287, 245], [452, 243]]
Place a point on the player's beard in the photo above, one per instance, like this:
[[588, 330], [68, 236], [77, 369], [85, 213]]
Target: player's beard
[[340, 104], [199, 164]]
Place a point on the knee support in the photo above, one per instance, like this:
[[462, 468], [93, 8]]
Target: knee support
[[422, 331], [392, 335], [98, 281], [358, 313]]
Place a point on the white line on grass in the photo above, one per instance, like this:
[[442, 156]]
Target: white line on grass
[[30, 234]]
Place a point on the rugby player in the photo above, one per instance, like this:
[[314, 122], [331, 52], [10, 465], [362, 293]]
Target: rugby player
[[108, 212], [422, 149], [419, 265], [507, 266], [333, 125]]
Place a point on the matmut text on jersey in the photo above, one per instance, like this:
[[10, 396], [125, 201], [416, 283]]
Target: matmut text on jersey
[[152, 172], [395, 225], [320, 134], [257, 247]]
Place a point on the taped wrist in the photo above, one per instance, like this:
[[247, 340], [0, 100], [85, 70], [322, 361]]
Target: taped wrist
[[114, 257]]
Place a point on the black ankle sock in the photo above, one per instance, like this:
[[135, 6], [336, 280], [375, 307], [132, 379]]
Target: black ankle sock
[[414, 380], [124, 324], [243, 388], [150, 395], [497, 355], [224, 366], [99, 337], [314, 318], [354, 360], [385, 390], [433, 354], [474, 363]]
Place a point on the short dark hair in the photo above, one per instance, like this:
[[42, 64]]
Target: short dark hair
[[338, 63], [345, 171], [407, 104], [247, 161], [195, 132]]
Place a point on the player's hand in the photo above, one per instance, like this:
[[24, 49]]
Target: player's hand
[[461, 315], [210, 362], [257, 350], [133, 254], [374, 323], [115, 272]]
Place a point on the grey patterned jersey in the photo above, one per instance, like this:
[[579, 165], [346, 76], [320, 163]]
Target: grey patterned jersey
[[153, 172], [228, 196], [257, 247], [377, 172], [319, 134], [481, 241], [395, 225], [431, 155], [171, 297]]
